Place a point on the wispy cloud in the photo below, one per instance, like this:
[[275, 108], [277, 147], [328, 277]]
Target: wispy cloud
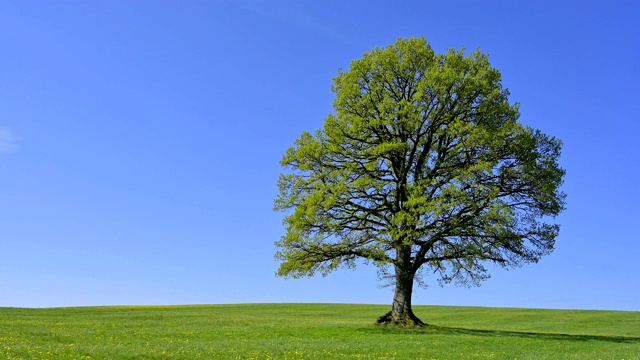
[[294, 14], [8, 141]]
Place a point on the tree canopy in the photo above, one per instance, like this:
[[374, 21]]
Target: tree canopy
[[423, 165]]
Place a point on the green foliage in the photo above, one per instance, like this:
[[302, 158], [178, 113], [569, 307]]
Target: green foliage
[[313, 331], [422, 164]]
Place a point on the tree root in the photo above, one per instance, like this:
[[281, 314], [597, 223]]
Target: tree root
[[405, 320]]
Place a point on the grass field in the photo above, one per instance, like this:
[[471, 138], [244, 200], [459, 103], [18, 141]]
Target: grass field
[[314, 331]]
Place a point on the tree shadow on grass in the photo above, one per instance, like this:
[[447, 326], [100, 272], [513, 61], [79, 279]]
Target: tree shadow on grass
[[447, 330]]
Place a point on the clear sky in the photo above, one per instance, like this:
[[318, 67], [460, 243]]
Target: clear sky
[[140, 143]]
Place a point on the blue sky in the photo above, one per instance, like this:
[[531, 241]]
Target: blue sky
[[140, 141]]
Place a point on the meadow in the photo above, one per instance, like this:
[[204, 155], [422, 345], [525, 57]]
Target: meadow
[[314, 331]]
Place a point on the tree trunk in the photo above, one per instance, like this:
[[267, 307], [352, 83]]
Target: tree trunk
[[401, 313]]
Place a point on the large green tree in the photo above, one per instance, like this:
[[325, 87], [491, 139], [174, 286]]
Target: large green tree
[[422, 168]]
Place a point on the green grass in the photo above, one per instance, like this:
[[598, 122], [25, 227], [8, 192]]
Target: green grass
[[314, 331]]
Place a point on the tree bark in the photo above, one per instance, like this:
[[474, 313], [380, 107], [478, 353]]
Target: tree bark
[[401, 313]]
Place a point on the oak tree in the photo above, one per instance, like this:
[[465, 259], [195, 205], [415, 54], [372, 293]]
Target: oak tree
[[422, 169]]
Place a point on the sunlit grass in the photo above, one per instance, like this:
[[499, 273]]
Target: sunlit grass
[[314, 331]]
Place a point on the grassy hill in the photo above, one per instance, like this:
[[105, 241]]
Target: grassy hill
[[314, 331]]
